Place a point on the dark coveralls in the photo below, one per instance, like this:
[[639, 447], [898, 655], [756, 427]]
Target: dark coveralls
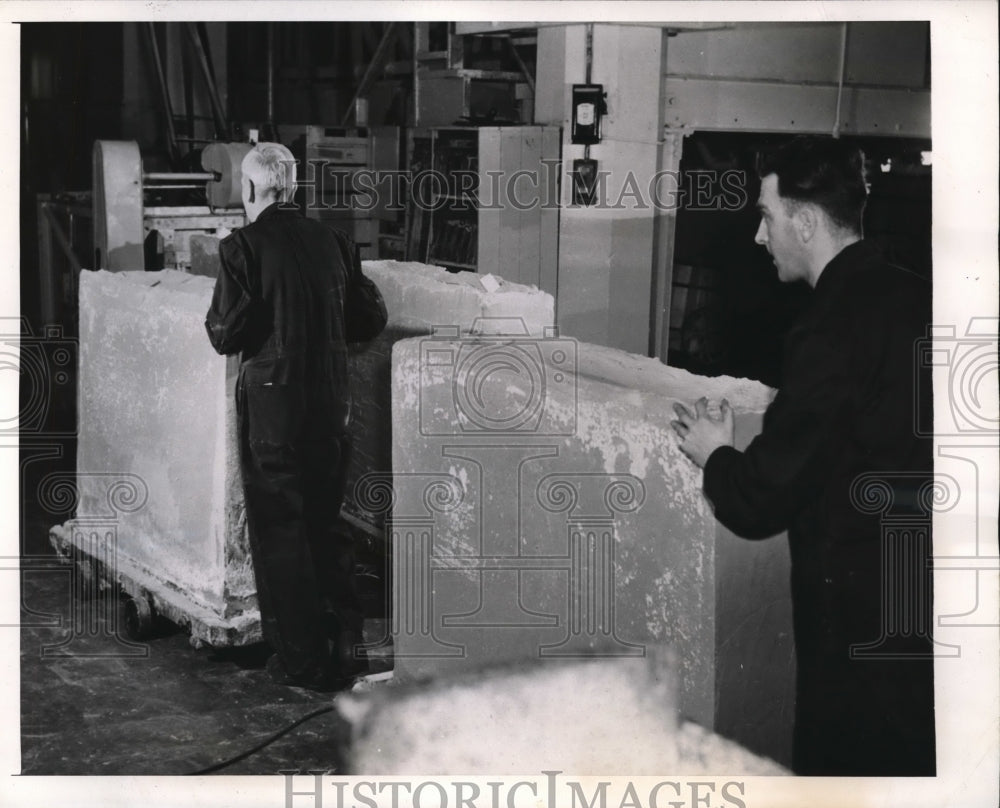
[[846, 408], [280, 301]]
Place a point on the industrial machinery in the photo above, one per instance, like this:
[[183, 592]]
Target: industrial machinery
[[137, 223], [347, 181]]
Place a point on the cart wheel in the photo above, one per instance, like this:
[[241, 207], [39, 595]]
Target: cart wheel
[[138, 618]]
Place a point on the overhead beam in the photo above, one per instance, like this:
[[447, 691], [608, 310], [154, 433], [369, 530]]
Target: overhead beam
[[485, 27], [374, 69], [704, 104]]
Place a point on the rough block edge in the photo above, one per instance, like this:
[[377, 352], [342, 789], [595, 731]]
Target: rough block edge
[[206, 627]]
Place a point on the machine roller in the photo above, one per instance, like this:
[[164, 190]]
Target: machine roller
[[131, 233]]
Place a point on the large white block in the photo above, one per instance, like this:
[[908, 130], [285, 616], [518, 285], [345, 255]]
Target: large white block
[[157, 415], [541, 508], [419, 298], [157, 456]]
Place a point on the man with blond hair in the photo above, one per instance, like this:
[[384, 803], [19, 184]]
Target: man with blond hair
[[289, 296]]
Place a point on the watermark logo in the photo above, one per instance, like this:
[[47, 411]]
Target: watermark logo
[[904, 503], [89, 542], [414, 501], [44, 364], [506, 384], [963, 364], [591, 503], [498, 540], [971, 367], [311, 789], [328, 187], [585, 571]]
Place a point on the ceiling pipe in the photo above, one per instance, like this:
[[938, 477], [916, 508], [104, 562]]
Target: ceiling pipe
[[521, 65], [840, 81], [218, 113], [270, 77], [373, 70], [168, 109]]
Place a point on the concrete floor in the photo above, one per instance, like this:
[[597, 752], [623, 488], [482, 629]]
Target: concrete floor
[[100, 706]]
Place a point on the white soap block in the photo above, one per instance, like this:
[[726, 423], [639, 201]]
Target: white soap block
[[156, 456]]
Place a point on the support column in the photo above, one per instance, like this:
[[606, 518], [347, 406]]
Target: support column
[[606, 251]]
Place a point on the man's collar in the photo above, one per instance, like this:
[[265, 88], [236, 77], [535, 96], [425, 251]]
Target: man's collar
[[278, 209], [854, 255]]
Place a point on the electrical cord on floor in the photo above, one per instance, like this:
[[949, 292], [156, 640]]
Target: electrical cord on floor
[[266, 742]]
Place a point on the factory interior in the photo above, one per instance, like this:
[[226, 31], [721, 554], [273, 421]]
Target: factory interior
[[132, 125]]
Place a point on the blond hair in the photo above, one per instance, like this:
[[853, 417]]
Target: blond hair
[[271, 166]]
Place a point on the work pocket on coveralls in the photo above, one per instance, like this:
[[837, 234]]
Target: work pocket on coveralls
[[275, 408], [275, 414]]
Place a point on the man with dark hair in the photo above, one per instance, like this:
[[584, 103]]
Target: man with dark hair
[[289, 296], [843, 419]]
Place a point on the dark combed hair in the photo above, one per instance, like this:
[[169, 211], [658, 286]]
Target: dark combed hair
[[824, 171]]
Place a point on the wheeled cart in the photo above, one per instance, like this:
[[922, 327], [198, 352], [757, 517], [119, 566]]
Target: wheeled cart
[[139, 597]]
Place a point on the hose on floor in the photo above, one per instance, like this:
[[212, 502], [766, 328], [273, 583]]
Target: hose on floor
[[266, 742]]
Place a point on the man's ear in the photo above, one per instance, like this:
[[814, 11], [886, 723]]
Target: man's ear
[[252, 190], [806, 222]]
